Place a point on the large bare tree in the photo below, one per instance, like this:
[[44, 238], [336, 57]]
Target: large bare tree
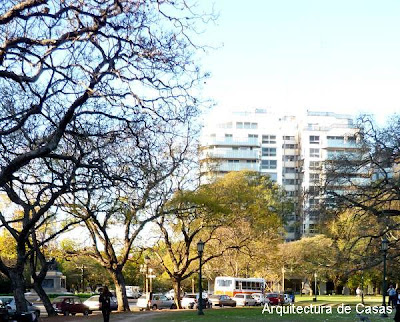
[[366, 183], [75, 77]]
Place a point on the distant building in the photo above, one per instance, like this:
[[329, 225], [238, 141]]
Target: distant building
[[55, 281], [289, 149]]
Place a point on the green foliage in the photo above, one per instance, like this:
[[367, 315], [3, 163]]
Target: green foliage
[[240, 212], [71, 267]]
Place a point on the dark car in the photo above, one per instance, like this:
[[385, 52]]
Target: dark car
[[221, 300], [70, 305], [275, 298]]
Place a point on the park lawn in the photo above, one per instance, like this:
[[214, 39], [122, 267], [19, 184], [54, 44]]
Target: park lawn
[[338, 299], [255, 313]]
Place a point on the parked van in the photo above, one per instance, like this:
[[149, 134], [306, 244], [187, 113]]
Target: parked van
[[132, 291]]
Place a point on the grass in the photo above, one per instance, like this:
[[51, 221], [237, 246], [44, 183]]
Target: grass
[[255, 314]]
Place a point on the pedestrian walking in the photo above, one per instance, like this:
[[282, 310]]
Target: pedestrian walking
[[105, 301], [397, 315], [392, 296]]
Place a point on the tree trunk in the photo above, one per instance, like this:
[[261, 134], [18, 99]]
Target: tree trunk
[[37, 286], [120, 289], [177, 291], [38, 280], [18, 286]]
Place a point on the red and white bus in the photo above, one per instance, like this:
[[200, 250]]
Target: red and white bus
[[233, 285]]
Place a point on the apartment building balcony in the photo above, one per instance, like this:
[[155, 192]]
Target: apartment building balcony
[[227, 167], [250, 142], [290, 175], [291, 152], [333, 144], [290, 164], [234, 154]]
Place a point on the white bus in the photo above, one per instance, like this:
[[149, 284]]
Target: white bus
[[232, 285]]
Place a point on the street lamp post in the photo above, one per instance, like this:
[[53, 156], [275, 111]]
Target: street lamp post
[[384, 248], [362, 264], [151, 279], [315, 287], [144, 268], [283, 279], [200, 249]]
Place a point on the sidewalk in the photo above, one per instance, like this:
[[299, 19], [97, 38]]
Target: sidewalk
[[117, 317]]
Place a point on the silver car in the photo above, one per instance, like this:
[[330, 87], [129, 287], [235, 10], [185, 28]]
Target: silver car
[[243, 299], [158, 301], [9, 303], [94, 304]]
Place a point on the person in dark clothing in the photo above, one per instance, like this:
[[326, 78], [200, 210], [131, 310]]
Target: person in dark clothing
[[105, 301], [397, 315]]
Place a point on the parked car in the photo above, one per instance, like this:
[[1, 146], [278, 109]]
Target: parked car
[[292, 296], [206, 303], [157, 301], [70, 305], [9, 303], [260, 298], [287, 299], [190, 301], [243, 299], [94, 305], [275, 298], [221, 300]]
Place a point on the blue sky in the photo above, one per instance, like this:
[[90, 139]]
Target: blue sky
[[292, 55]]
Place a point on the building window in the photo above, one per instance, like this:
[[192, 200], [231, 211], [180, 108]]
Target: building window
[[288, 138], [290, 181], [314, 177], [315, 165], [333, 154], [289, 170], [313, 191], [289, 146], [253, 136], [314, 139], [268, 164], [269, 139], [248, 125], [290, 229], [239, 125], [273, 176], [313, 228], [313, 203], [268, 152], [233, 161], [289, 158], [313, 214], [228, 135], [336, 138], [292, 193], [250, 161], [314, 153]]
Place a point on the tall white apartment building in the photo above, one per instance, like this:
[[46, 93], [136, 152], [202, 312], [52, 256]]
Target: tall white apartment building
[[289, 149]]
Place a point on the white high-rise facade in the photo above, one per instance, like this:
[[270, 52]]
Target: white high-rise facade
[[289, 149]]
